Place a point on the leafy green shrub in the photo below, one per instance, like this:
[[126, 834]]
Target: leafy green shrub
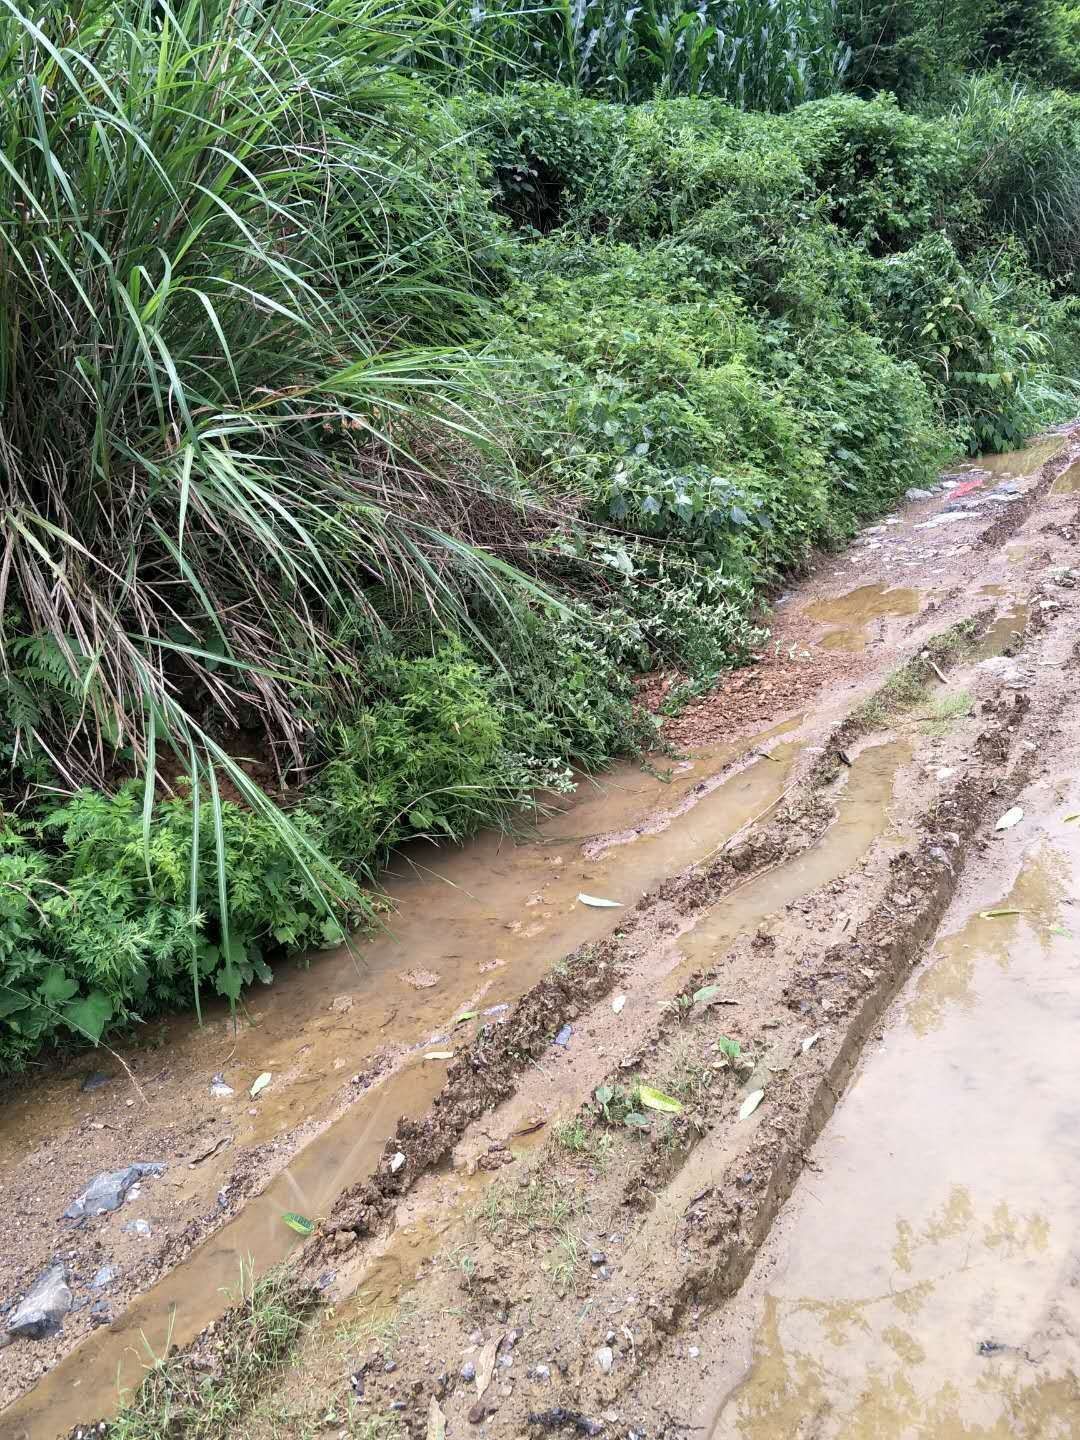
[[421, 759], [882, 170], [98, 926], [977, 335], [870, 416], [913, 48]]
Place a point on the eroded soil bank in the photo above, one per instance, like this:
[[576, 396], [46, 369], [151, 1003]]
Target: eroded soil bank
[[793, 868]]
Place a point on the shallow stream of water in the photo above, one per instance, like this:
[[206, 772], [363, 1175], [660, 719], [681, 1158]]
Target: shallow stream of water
[[928, 1282]]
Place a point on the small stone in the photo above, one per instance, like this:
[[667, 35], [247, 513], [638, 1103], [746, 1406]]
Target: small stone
[[107, 1190], [326, 1279], [693, 1352], [44, 1306], [506, 1390], [219, 1089], [597, 1257], [341, 1004], [476, 1338], [138, 1227], [100, 1313], [506, 1360], [563, 1037], [396, 1162], [468, 1371], [104, 1277], [389, 1367], [541, 1372], [605, 1359], [94, 1081]]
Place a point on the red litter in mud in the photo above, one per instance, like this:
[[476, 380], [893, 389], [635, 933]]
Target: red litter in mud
[[966, 488]]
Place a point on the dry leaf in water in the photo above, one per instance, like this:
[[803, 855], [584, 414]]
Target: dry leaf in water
[[599, 904]]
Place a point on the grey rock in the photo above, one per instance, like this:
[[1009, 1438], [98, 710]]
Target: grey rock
[[138, 1227], [396, 1162], [468, 1371], [917, 493], [94, 1081], [107, 1190], [605, 1359], [541, 1372], [104, 1277], [506, 1360], [100, 1312], [693, 1352], [389, 1367], [563, 1037], [45, 1305], [326, 1279], [597, 1257], [219, 1088], [497, 1009]]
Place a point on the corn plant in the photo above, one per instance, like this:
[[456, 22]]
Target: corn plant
[[759, 54]]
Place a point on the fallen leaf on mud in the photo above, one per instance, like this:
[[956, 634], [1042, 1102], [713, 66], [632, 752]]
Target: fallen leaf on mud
[[810, 1042], [485, 1364], [465, 1015], [598, 904], [529, 1128], [436, 1421], [636, 1120], [260, 1084], [657, 1100], [420, 979], [1010, 818], [618, 1003], [706, 993], [439, 1055], [300, 1223], [750, 1104], [993, 914]]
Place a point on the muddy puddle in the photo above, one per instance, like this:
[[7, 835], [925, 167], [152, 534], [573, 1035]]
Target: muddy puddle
[[1003, 632], [482, 921], [862, 817], [1015, 464], [1068, 482], [954, 1165], [477, 926], [853, 612]]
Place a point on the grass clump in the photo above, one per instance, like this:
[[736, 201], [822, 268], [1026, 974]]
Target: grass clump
[[187, 1401]]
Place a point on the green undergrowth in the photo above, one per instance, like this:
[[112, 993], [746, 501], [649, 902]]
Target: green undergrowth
[[913, 682], [185, 1400], [383, 392]]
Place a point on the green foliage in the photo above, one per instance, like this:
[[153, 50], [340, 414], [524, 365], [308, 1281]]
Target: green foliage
[[881, 169], [761, 54]]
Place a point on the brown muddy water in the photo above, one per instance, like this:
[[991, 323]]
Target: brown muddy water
[[928, 1281], [480, 926], [853, 612], [1068, 482]]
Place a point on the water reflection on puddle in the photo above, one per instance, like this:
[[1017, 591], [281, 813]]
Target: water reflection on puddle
[[931, 1286]]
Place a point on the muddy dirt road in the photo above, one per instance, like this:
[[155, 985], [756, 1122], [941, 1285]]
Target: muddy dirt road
[[807, 897]]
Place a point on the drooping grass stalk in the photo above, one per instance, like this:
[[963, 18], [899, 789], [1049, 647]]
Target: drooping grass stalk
[[228, 379]]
